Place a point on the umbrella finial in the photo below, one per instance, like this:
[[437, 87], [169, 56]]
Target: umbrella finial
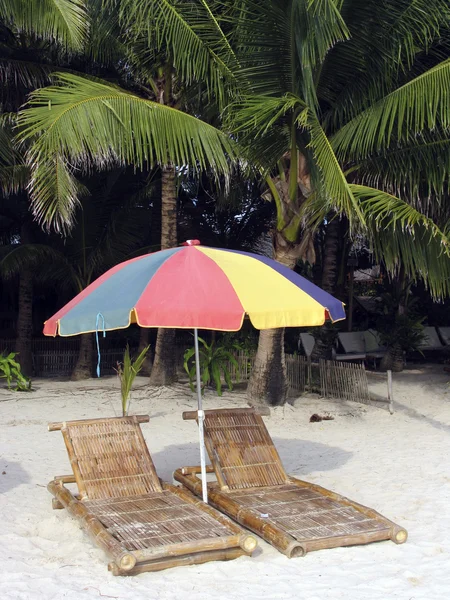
[[191, 243]]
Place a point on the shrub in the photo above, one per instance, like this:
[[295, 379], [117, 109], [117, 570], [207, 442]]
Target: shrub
[[214, 361], [10, 370]]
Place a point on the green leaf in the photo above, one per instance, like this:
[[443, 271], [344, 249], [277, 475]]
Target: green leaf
[[421, 104], [402, 236], [86, 123], [190, 34], [64, 21], [215, 372], [333, 186]]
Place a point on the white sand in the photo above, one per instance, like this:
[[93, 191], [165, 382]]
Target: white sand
[[396, 464]]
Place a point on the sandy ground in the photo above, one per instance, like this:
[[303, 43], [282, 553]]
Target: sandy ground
[[396, 464]]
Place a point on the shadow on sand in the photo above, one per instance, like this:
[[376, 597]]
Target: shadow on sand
[[11, 475], [299, 457]]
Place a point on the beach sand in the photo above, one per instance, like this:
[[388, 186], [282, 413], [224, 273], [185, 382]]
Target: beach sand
[[397, 464]]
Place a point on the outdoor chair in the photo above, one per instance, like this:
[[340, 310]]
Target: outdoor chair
[[354, 346], [431, 341], [252, 487], [444, 333], [373, 346], [142, 523], [307, 341]]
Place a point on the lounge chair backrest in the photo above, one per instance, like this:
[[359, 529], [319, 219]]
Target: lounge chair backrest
[[241, 449], [431, 339], [444, 332], [352, 342], [372, 341], [308, 342], [109, 457]]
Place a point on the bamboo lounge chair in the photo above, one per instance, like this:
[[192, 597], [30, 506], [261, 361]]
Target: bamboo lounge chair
[[253, 488], [142, 523]]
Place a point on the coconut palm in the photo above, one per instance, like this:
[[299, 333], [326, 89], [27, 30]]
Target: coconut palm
[[109, 230], [36, 35], [336, 90], [165, 135], [321, 96]]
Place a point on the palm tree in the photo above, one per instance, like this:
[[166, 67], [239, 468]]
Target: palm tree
[[321, 95], [166, 136], [109, 230], [37, 35], [335, 92]]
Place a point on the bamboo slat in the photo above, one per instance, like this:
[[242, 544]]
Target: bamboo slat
[[141, 523], [109, 458], [241, 450], [294, 516]]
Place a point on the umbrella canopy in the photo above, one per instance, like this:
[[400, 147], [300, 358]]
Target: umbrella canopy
[[196, 287]]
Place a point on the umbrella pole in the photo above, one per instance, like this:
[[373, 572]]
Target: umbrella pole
[[200, 416]]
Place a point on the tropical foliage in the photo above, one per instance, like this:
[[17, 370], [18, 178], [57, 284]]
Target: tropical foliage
[[11, 372], [127, 371], [214, 364], [336, 111]]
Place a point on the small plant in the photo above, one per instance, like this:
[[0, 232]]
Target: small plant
[[400, 334], [214, 361], [127, 371], [10, 370]]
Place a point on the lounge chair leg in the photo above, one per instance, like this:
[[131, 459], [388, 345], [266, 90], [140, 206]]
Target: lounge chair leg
[[56, 504], [398, 535]]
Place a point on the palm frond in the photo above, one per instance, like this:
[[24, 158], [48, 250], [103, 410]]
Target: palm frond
[[13, 179], [421, 104], [82, 123], [260, 32], [24, 74], [256, 115], [63, 21], [386, 40], [55, 193], [105, 43], [316, 26], [401, 235], [8, 152], [419, 170], [332, 185], [190, 34], [17, 257]]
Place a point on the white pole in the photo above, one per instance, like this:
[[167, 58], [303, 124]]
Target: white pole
[[201, 416], [390, 392]]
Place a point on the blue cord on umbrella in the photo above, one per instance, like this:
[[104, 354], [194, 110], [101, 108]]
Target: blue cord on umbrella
[[96, 338]]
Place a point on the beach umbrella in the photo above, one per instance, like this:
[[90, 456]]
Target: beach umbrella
[[196, 287]]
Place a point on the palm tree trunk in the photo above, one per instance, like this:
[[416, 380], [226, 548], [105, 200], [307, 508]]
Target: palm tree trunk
[[323, 346], [25, 322], [83, 368], [164, 369], [268, 380], [330, 256], [393, 359]]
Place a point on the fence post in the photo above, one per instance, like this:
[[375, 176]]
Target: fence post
[[390, 392]]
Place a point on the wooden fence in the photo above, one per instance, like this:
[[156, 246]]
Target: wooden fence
[[296, 370], [57, 357], [345, 381]]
